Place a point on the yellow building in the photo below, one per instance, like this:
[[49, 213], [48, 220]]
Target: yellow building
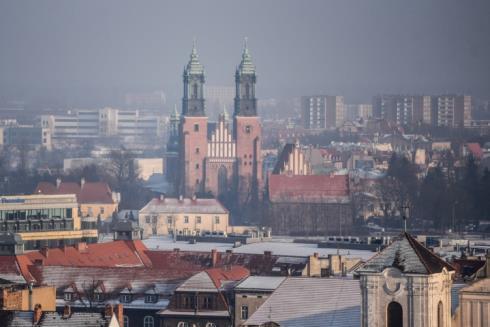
[[44, 220], [24, 298], [184, 216], [95, 199]]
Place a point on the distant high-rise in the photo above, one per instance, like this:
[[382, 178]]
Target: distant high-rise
[[322, 111], [453, 110]]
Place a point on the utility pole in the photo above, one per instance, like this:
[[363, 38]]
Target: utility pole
[[404, 216]]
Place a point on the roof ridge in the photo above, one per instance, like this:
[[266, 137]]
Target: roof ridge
[[416, 246]]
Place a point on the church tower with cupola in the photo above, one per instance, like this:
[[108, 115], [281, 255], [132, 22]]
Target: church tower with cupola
[[406, 285], [247, 131], [193, 128]]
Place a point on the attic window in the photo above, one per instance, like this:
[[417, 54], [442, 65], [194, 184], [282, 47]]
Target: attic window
[[68, 296], [98, 297], [151, 298], [125, 298]]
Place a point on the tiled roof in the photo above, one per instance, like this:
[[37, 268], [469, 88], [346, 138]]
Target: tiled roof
[[408, 255], [308, 188], [212, 280], [13, 270], [312, 302], [111, 254], [173, 205], [90, 192], [76, 319]]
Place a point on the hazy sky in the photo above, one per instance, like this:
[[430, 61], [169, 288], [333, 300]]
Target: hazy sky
[[353, 48]]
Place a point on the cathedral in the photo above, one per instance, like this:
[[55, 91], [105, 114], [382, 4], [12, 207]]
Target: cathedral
[[222, 158]]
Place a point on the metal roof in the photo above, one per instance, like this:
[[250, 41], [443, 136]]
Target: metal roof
[[176, 206], [312, 302], [263, 283]]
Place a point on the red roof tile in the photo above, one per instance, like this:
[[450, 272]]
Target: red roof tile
[[309, 188], [234, 273], [111, 254], [91, 192]]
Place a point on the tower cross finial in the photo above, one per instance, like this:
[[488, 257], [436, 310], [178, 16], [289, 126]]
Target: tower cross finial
[[194, 45], [245, 45]]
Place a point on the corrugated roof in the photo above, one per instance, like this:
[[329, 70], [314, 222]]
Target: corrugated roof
[[312, 302], [173, 205], [408, 255]]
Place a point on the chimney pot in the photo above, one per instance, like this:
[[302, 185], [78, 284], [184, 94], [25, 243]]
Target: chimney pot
[[82, 182], [45, 252], [67, 311], [162, 197], [38, 312], [214, 257], [58, 182], [181, 198], [119, 314], [109, 310]]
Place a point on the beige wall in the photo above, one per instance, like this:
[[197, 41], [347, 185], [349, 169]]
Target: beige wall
[[182, 223], [474, 306], [22, 300], [94, 209], [252, 300]]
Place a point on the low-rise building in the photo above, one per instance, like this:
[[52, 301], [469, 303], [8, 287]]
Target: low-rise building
[[44, 220], [251, 293], [95, 199], [183, 216]]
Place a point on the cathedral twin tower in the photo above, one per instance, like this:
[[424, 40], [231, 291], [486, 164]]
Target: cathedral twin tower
[[215, 158]]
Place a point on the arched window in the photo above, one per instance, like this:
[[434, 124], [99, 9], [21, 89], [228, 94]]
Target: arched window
[[440, 315], [148, 321], [183, 324], [194, 91], [394, 315], [222, 180]]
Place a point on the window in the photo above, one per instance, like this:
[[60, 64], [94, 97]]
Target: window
[[244, 312], [148, 321], [394, 315], [197, 166], [98, 297], [147, 219], [248, 129], [125, 321], [68, 296], [102, 210], [125, 298], [197, 149], [154, 220], [207, 302], [216, 220], [169, 220], [210, 324], [186, 219], [151, 298], [196, 127], [198, 219]]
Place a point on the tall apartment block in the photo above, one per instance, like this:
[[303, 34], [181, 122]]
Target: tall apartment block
[[322, 111], [442, 110]]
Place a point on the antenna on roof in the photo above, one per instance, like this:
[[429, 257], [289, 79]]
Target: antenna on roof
[[404, 217]]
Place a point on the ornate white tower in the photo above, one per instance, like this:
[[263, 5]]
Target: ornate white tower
[[406, 285]]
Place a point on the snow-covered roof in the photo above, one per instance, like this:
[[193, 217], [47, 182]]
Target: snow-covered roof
[[306, 302]]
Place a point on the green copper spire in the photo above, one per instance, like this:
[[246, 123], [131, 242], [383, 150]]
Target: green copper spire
[[246, 65], [194, 66]]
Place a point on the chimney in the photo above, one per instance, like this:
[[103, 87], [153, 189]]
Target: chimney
[[38, 262], [267, 254], [214, 257], [229, 251], [82, 182], [176, 250], [58, 182], [81, 246], [315, 255], [66, 312], [181, 198], [38, 312], [108, 311], [162, 197], [194, 197], [119, 314], [44, 251]]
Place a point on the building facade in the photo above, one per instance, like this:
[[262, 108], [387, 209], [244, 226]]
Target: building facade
[[322, 111], [44, 220], [220, 158], [184, 216], [406, 285]]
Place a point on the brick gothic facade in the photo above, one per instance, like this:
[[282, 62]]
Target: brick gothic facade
[[220, 158]]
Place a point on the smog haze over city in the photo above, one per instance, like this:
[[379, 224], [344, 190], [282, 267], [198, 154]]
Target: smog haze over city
[[272, 163]]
